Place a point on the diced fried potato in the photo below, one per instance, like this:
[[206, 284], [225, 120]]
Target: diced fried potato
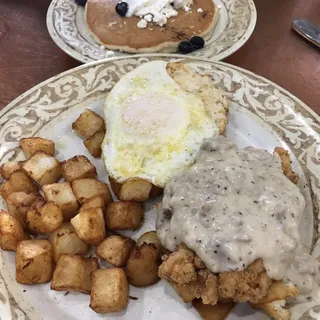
[[135, 189], [44, 219], [115, 250], [155, 191], [78, 167], [124, 215], [185, 291], [43, 168], [18, 204], [34, 261], [90, 226], [62, 195], [18, 181], [115, 186], [210, 312], [279, 291], [276, 309], [72, 273], [109, 290], [149, 237], [95, 202], [93, 144], [142, 266], [85, 189], [31, 146], [7, 168], [65, 240], [88, 123], [6, 189], [11, 232]]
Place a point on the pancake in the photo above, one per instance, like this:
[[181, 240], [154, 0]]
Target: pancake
[[121, 33]]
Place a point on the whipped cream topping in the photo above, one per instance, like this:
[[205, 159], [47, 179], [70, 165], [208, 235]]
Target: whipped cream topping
[[157, 11]]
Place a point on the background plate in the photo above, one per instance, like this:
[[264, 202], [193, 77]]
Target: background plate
[[261, 114], [67, 27]]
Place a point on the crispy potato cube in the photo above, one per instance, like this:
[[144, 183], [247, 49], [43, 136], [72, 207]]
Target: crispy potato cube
[[95, 202], [10, 167], [210, 312], [115, 250], [31, 146], [65, 240], [276, 309], [115, 186], [85, 189], [279, 291], [44, 219], [18, 181], [155, 191], [18, 204], [185, 291], [78, 167], [149, 237], [43, 168], [142, 266], [62, 195], [72, 273], [90, 226], [21, 182], [34, 261], [88, 123], [135, 189], [109, 291], [11, 232], [93, 144], [6, 189], [124, 215]]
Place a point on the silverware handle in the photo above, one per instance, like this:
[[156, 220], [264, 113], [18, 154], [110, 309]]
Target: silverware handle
[[307, 30]]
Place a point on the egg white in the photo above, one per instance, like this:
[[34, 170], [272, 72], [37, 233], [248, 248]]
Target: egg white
[[154, 128]]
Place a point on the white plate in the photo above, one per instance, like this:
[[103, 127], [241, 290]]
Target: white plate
[[262, 115], [67, 27]]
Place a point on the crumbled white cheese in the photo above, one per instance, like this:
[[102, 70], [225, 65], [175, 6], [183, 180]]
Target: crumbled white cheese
[[200, 10], [169, 12], [219, 6], [186, 8], [148, 17], [142, 24], [157, 11]]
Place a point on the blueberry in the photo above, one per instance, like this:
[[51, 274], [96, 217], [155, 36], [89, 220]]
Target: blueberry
[[198, 42], [185, 47], [81, 2], [122, 8]]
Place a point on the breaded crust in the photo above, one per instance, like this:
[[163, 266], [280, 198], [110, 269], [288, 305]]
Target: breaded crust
[[191, 283], [216, 104], [286, 164]]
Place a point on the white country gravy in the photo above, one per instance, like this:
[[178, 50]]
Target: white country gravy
[[234, 206]]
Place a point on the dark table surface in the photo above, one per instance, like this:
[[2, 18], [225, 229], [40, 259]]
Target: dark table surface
[[29, 56]]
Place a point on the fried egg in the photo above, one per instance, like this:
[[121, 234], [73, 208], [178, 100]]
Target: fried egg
[[154, 127]]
